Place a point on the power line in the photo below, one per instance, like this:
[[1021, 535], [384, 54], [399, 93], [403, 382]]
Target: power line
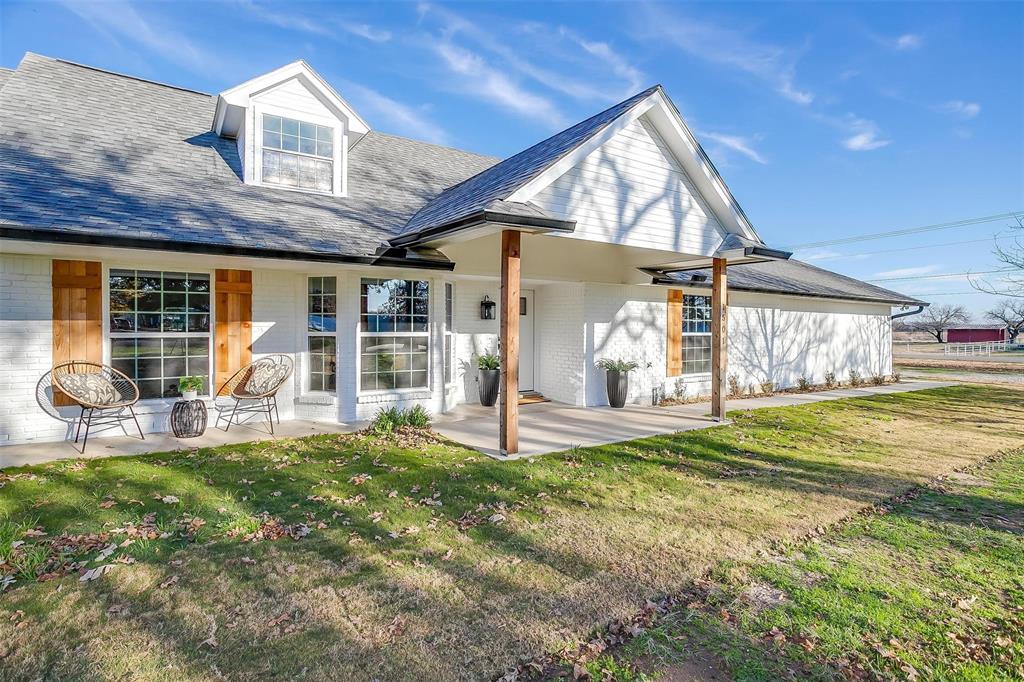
[[910, 230], [840, 256], [974, 292], [948, 274]]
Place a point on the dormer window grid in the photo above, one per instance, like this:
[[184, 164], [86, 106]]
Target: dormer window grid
[[297, 154]]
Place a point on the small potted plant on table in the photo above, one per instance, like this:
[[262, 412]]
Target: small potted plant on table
[[188, 416], [488, 375], [617, 379], [190, 387]]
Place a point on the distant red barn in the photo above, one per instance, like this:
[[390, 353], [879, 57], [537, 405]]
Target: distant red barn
[[978, 333]]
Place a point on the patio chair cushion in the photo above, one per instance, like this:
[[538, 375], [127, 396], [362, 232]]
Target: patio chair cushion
[[92, 389], [265, 377]]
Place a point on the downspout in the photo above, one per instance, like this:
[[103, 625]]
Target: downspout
[[897, 316]]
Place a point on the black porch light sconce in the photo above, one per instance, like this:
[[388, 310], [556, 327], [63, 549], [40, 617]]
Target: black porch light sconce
[[487, 307]]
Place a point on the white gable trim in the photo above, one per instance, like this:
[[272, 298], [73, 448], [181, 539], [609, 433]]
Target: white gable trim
[[687, 151], [239, 96]]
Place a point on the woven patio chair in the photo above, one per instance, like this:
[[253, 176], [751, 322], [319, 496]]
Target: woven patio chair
[[97, 388], [254, 388]]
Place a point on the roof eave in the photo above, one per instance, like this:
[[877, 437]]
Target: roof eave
[[660, 280], [483, 218], [415, 261]]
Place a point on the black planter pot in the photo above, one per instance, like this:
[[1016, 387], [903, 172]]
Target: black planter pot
[[489, 379], [618, 387]]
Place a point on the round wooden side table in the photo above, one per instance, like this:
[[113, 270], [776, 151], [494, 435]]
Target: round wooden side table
[[188, 418]]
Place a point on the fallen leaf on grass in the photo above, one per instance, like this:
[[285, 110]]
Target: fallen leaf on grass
[[168, 582], [94, 573], [394, 629], [107, 504]]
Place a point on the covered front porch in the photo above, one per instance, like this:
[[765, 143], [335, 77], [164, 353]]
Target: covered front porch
[[555, 427]]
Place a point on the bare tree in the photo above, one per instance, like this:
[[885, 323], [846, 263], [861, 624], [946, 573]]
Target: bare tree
[[936, 318], [1009, 311], [1012, 256]]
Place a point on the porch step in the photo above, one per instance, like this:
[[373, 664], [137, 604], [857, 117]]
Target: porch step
[[530, 397]]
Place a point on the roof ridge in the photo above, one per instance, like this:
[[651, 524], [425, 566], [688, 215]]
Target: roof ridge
[[98, 69]]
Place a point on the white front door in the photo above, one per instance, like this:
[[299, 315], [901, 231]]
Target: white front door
[[526, 316]]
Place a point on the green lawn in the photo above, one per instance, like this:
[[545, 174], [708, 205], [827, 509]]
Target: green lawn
[[359, 557], [930, 587]]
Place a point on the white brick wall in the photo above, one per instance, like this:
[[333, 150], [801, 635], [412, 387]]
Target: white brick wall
[[780, 339], [625, 322], [26, 350], [559, 342], [475, 337]]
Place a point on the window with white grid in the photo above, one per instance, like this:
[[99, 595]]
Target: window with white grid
[[298, 154], [159, 328], [321, 333], [696, 334], [394, 334]]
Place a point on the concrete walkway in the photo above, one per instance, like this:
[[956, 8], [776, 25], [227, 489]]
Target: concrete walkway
[[114, 446], [553, 427], [543, 427]]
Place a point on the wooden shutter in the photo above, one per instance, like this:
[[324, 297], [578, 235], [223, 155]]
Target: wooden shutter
[[232, 333], [674, 333], [77, 314]]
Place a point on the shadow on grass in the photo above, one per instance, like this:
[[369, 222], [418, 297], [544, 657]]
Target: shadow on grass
[[510, 586]]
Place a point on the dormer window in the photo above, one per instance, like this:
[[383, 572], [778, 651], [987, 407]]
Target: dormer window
[[292, 130], [298, 154]]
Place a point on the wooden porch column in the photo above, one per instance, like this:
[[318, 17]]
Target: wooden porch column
[[509, 343], [719, 338]]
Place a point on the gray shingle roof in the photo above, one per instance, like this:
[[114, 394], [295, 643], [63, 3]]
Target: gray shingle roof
[[88, 152], [795, 278], [497, 183]]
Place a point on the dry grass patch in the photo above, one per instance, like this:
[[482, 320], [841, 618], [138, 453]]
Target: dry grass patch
[[425, 560]]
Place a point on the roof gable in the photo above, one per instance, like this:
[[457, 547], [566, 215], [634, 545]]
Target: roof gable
[[632, 191], [520, 178], [232, 102], [503, 179]]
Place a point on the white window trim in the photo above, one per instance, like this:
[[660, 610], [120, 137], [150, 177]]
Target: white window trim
[[360, 335], [340, 159], [449, 335], [307, 388], [685, 334], [158, 403]]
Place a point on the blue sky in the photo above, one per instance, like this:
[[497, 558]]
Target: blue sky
[[827, 120]]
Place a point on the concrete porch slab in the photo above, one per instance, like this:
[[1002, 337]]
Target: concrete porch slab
[[114, 446], [554, 427]]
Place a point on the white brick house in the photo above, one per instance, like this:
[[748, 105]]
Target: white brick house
[[369, 255]]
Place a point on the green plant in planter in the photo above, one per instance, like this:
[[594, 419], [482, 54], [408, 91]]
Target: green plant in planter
[[617, 379], [190, 384], [620, 366], [488, 361]]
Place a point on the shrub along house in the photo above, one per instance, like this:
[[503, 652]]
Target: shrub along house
[[170, 232]]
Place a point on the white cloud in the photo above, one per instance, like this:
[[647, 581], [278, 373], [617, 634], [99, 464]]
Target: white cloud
[[736, 143], [865, 135], [908, 41], [907, 272], [327, 28], [962, 109], [400, 117], [480, 79], [372, 34], [538, 54], [121, 19], [772, 64]]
